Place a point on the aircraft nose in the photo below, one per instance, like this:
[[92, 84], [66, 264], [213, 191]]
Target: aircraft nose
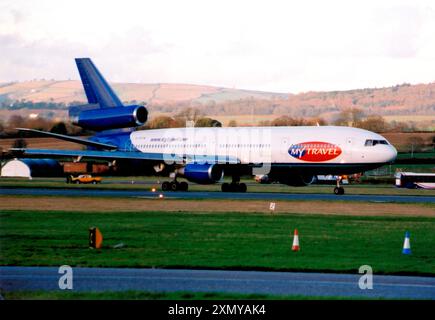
[[391, 154]]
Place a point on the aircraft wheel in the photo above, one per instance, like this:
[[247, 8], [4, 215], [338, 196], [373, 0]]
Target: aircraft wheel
[[77, 182], [225, 187], [174, 186], [338, 190], [234, 187], [165, 186], [183, 186], [242, 187]]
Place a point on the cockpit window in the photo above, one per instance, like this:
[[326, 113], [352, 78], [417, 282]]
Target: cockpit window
[[370, 142]]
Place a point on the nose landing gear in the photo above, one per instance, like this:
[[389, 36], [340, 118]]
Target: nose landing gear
[[339, 190]]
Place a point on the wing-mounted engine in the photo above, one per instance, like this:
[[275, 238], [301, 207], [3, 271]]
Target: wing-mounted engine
[[298, 180], [290, 179], [202, 173]]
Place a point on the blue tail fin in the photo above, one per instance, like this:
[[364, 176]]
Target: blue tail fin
[[96, 87]]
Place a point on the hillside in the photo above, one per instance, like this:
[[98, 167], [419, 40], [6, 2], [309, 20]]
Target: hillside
[[69, 91], [401, 103]]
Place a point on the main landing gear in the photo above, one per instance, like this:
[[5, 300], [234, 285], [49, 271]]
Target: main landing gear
[[338, 190], [234, 186], [175, 186]]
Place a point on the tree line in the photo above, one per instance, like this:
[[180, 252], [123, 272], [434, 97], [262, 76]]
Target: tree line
[[353, 117]]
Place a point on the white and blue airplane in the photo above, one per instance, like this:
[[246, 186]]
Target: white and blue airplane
[[289, 155]]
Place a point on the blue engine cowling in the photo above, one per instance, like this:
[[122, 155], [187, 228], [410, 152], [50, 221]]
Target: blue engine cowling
[[294, 180], [202, 173], [298, 180], [99, 119]]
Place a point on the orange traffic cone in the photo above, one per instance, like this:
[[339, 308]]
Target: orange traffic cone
[[95, 238], [295, 246]]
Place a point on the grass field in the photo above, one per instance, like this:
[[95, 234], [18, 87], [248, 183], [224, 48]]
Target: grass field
[[417, 155], [147, 183], [119, 205], [218, 240]]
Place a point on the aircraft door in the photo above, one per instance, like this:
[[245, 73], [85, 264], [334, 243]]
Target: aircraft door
[[284, 149], [348, 148]]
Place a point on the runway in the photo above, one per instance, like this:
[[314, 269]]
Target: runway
[[70, 192], [246, 282]]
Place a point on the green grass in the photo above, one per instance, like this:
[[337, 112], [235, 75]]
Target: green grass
[[218, 240], [423, 168], [144, 295], [384, 189], [415, 155]]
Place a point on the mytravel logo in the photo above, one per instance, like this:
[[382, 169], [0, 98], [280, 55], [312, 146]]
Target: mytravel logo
[[314, 151]]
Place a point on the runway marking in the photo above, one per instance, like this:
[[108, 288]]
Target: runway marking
[[125, 277], [248, 282]]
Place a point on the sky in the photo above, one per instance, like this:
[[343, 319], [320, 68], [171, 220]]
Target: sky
[[277, 46]]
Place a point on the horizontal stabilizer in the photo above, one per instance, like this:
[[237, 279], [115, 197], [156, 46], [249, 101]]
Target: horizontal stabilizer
[[85, 142]]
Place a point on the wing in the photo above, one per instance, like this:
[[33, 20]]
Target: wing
[[93, 154], [113, 155], [110, 152]]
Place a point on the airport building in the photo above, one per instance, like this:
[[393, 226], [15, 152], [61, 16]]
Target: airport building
[[28, 168]]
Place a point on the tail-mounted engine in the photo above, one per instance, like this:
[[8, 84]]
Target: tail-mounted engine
[[99, 119]]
